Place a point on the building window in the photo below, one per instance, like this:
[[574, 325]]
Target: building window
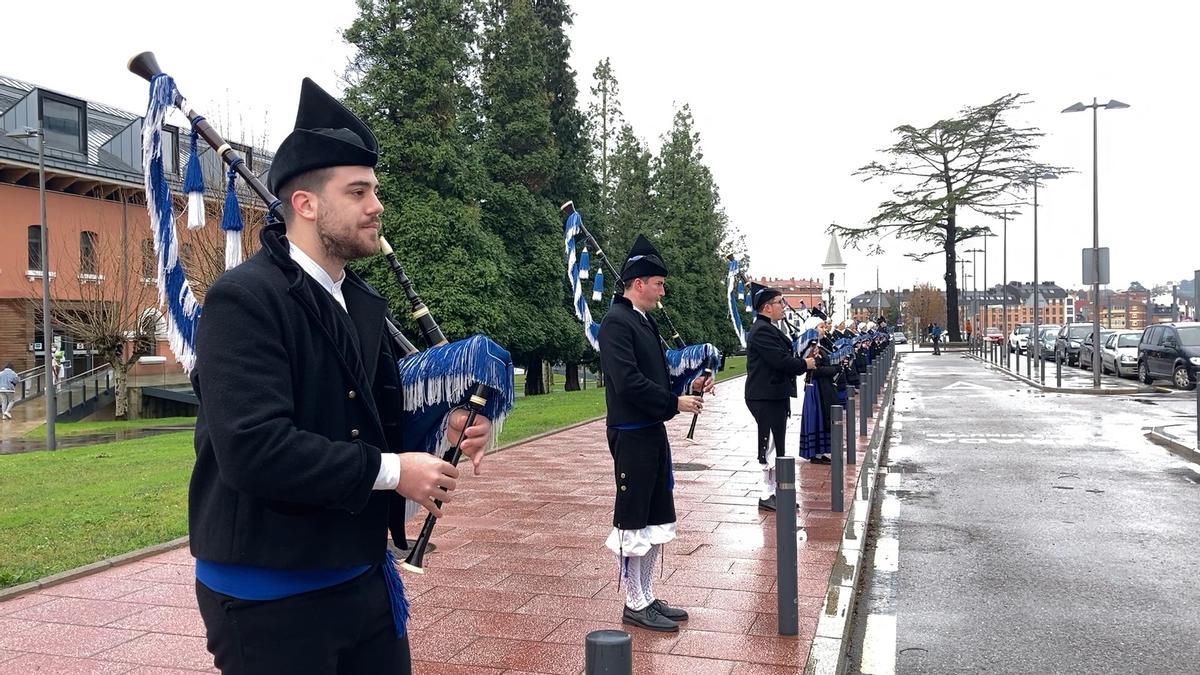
[[65, 123], [87, 253], [170, 150], [148, 266], [35, 248]]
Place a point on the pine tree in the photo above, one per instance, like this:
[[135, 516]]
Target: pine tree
[[521, 159], [409, 81], [692, 234], [604, 115]]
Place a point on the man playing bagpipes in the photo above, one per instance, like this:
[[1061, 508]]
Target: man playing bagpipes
[[300, 445], [819, 394], [639, 396], [771, 370]]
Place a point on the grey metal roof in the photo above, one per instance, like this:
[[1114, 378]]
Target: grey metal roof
[[833, 257], [104, 123]]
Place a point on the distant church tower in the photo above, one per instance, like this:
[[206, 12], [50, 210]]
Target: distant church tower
[[835, 277]]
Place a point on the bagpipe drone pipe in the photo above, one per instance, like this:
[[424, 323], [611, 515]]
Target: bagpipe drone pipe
[[685, 362], [474, 373]]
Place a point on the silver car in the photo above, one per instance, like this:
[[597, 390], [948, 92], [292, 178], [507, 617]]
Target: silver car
[[1119, 354]]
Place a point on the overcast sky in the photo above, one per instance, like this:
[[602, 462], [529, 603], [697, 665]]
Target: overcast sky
[[789, 98]]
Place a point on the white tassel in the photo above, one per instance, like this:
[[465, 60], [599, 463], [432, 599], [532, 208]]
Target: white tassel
[[233, 248], [195, 208]]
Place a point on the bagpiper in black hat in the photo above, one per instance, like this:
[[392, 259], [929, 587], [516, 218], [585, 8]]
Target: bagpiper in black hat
[[643, 261], [763, 294]]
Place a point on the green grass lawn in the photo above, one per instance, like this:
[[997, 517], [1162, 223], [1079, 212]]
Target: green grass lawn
[[63, 509], [80, 428]]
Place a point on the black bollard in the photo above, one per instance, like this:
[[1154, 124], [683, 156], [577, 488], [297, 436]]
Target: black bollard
[[851, 446], [608, 652], [837, 470], [785, 546], [1058, 370], [863, 407]]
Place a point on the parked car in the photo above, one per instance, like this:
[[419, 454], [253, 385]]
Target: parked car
[[1046, 340], [1170, 351], [1086, 351], [1018, 340], [899, 338], [1120, 352], [1069, 340], [993, 334]]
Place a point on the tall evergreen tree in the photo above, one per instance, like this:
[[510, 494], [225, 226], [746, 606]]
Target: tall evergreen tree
[[692, 233], [572, 179], [631, 205], [521, 159], [409, 80], [604, 115]]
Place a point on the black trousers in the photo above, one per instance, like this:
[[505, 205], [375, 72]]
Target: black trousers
[[772, 417], [641, 469], [341, 630]]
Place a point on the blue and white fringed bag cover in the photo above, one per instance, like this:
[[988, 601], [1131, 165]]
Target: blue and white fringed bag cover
[[174, 293], [439, 378], [731, 278], [577, 269]]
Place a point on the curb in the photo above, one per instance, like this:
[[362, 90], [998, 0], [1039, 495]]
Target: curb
[[1157, 435], [1061, 390], [828, 653], [92, 568]]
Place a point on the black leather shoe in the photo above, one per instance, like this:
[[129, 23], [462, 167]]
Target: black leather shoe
[[821, 460], [767, 504], [649, 619], [672, 613]]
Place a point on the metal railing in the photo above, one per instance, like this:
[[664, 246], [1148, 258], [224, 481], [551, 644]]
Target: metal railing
[[81, 389]]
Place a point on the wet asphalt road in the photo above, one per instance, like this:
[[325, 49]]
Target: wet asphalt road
[[1023, 532]]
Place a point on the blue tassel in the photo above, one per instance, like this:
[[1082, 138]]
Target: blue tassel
[[193, 183], [687, 364], [231, 218], [231, 221], [598, 286], [741, 291], [396, 594], [584, 262]]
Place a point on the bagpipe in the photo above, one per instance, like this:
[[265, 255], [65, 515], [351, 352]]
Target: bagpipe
[[736, 279], [474, 373], [686, 363]]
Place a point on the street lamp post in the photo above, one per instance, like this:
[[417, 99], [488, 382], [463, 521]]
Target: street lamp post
[[1037, 289], [975, 291], [1113, 104], [1004, 292], [47, 327]]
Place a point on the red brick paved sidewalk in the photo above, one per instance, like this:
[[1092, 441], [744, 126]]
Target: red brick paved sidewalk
[[519, 577]]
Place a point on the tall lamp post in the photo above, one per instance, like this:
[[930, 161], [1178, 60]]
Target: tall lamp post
[[47, 328], [975, 291], [1113, 104], [1004, 291], [1037, 289]]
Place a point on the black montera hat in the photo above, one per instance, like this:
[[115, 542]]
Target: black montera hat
[[326, 134], [643, 261], [763, 294]]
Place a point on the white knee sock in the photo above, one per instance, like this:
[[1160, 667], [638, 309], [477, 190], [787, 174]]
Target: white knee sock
[[768, 482], [648, 562], [631, 576]]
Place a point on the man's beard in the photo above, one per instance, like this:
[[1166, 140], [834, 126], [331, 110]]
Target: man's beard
[[343, 244]]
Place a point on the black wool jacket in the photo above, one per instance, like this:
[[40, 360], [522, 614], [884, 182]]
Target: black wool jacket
[[771, 366], [298, 399], [637, 383]]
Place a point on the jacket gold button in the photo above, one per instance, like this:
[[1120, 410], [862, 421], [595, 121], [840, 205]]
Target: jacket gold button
[[622, 488], [351, 394], [622, 475], [354, 433]]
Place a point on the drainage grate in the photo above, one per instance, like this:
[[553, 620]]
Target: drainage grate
[[689, 466]]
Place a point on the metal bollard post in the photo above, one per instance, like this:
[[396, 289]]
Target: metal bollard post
[[851, 446], [608, 652], [785, 546], [1058, 371], [837, 469], [871, 387], [1042, 367], [863, 407]]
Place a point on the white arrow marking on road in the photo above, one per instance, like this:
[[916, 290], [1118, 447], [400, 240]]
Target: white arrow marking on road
[[965, 385]]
